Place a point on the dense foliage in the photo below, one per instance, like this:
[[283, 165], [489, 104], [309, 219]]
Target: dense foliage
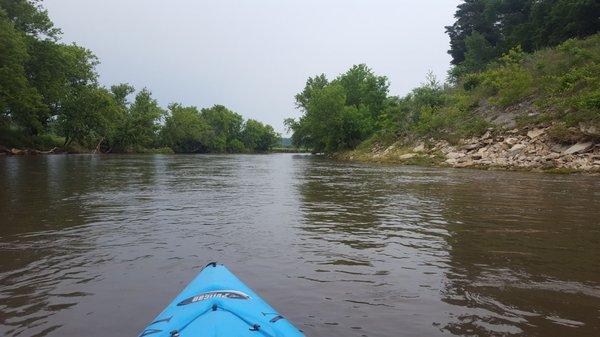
[[559, 84], [50, 96], [216, 129], [487, 29], [339, 114]]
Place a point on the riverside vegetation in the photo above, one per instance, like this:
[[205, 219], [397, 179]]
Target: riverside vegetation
[[524, 92], [50, 100]]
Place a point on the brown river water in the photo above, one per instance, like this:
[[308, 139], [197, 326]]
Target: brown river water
[[96, 246]]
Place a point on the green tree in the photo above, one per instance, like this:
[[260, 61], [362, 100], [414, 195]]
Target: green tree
[[478, 53], [57, 71], [341, 113], [364, 89], [505, 24], [226, 127], [313, 84], [29, 17], [258, 137], [326, 120], [473, 16], [119, 119], [40, 73], [86, 116], [17, 97], [139, 127], [185, 131], [120, 93], [414, 111], [555, 21]]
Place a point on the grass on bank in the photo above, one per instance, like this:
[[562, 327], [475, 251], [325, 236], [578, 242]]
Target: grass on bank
[[559, 86]]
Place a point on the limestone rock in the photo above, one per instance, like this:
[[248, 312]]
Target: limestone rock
[[516, 148], [419, 148], [472, 146], [454, 155], [579, 148], [535, 133]]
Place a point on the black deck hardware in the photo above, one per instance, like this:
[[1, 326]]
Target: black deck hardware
[[213, 264], [214, 307], [162, 320], [148, 332], [276, 318], [255, 327], [174, 333]]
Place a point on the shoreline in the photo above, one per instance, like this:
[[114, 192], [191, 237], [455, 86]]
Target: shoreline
[[16, 152], [526, 149]]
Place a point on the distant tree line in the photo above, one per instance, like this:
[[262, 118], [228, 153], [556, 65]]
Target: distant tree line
[[216, 129], [50, 95], [486, 29]]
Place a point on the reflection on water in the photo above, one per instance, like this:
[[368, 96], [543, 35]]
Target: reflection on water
[[97, 245]]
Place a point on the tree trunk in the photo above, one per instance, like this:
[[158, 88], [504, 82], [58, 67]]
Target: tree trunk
[[97, 149]]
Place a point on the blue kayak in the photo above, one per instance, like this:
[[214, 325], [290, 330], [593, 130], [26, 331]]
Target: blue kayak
[[218, 304]]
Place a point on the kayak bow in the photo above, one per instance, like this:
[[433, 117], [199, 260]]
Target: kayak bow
[[218, 304]]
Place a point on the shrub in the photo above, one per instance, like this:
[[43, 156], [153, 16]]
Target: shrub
[[508, 84], [559, 133]]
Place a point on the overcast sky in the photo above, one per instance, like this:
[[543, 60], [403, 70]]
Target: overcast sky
[[254, 55]]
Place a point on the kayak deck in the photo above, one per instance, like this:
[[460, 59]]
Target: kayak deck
[[217, 304]]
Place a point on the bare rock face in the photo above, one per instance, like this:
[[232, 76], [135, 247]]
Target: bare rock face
[[451, 161], [531, 149], [472, 146], [579, 148], [516, 148], [454, 155], [419, 148]]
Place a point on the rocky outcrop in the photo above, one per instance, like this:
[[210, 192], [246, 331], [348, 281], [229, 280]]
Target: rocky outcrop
[[516, 149], [521, 149]]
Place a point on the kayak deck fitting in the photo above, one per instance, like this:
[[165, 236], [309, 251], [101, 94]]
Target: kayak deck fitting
[[218, 304]]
